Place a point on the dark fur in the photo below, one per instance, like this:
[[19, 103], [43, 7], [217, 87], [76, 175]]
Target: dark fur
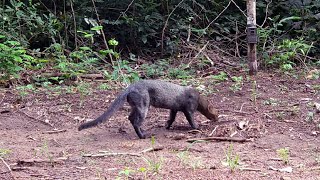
[[160, 94]]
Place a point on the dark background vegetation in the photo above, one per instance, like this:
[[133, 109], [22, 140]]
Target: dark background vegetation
[[64, 37]]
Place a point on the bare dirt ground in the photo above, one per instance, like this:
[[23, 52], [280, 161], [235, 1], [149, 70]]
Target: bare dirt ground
[[40, 133]]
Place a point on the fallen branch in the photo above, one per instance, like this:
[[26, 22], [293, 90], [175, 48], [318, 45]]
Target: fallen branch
[[34, 161], [104, 154], [152, 149], [55, 131], [249, 169], [220, 139]]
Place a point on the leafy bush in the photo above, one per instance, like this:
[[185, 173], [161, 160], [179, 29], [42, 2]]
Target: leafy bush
[[13, 58], [27, 24]]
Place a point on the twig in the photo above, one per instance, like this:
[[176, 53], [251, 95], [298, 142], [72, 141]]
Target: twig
[[267, 115], [242, 106], [220, 139], [277, 110], [305, 57], [239, 9], [213, 131], [33, 161], [107, 153], [265, 18], [74, 24], [102, 33], [55, 131], [237, 52], [152, 149], [218, 16], [249, 169], [43, 122], [194, 131], [6, 164], [104, 154], [166, 24], [202, 49], [125, 10]]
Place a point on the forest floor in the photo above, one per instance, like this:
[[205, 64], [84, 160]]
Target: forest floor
[[40, 140]]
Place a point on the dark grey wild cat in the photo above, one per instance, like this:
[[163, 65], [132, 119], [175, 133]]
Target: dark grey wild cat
[[160, 94]]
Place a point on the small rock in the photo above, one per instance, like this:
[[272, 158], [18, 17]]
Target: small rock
[[243, 124], [314, 133], [286, 169]]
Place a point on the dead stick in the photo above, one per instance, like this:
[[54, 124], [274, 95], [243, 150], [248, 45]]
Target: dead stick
[[6, 164], [103, 154], [201, 50], [31, 161], [55, 131], [220, 139], [249, 169], [277, 110], [152, 149], [213, 130]]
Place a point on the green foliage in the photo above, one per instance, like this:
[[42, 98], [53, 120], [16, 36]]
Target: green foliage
[[104, 86], [123, 72], [154, 164], [222, 76], [189, 161], [155, 70], [181, 72], [232, 160], [283, 153], [4, 152], [25, 90], [13, 58], [59, 36], [26, 24], [287, 54], [237, 86], [126, 173]]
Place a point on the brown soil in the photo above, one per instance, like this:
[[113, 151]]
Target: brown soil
[[278, 119]]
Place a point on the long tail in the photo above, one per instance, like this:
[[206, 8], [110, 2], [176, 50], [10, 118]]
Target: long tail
[[115, 106]]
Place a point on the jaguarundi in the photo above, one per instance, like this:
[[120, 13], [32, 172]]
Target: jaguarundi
[[160, 94]]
